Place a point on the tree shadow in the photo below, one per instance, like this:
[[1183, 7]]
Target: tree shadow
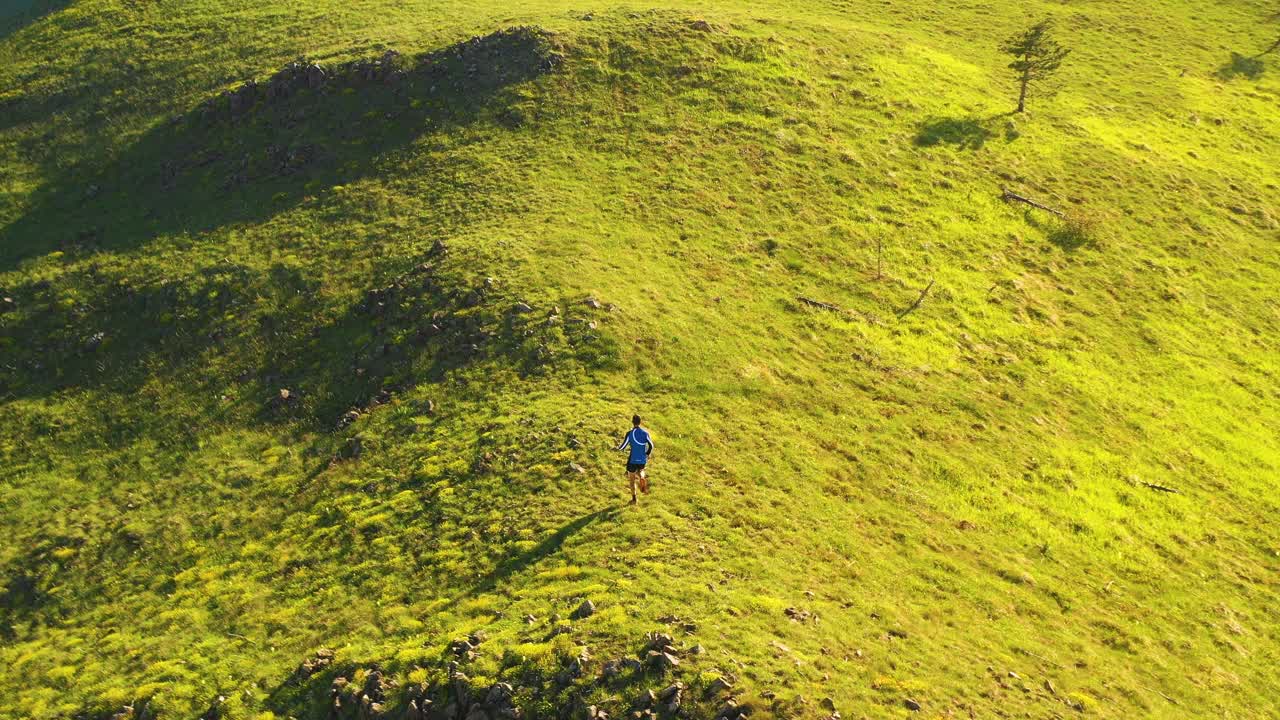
[[1250, 68], [258, 150], [965, 133]]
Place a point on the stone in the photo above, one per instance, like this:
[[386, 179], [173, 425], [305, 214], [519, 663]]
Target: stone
[[7, 305], [671, 691], [529, 619], [700, 25], [94, 341], [697, 650], [439, 248], [593, 303], [585, 610], [828, 704], [911, 704], [719, 685], [660, 641], [315, 76], [661, 660], [645, 700], [500, 694], [523, 307], [575, 467], [798, 614], [1048, 685]]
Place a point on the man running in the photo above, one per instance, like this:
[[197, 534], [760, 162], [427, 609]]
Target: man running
[[641, 444]]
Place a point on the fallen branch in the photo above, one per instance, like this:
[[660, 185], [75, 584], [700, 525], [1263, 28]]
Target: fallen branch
[[819, 304], [241, 637], [1160, 488], [1009, 195], [919, 300], [1166, 697]]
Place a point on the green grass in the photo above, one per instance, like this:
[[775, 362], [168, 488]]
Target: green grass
[[956, 492]]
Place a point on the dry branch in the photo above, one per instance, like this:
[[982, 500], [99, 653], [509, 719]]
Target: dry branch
[[819, 304], [919, 300], [1009, 195]]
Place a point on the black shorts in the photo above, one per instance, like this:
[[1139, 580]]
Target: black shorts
[[635, 467]]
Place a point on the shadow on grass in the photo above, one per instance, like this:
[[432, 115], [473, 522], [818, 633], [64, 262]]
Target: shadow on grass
[[549, 546], [1250, 68], [1069, 233], [256, 331], [17, 14], [259, 150], [965, 133]]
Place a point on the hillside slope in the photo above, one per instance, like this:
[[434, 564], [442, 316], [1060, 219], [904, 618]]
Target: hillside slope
[[338, 360]]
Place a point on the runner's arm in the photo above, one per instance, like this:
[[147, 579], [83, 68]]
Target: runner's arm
[[626, 440]]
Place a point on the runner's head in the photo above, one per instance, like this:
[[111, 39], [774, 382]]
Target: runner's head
[[635, 420]]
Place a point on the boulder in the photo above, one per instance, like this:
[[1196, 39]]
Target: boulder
[[316, 76], [585, 610], [718, 686], [911, 704]]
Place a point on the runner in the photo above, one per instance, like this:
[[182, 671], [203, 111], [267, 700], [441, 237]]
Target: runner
[[641, 444]]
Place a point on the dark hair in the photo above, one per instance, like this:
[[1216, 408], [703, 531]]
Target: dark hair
[[635, 420]]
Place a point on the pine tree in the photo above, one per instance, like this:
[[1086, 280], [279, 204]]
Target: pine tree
[[1036, 57]]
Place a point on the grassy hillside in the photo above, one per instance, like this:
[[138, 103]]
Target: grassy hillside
[[338, 361]]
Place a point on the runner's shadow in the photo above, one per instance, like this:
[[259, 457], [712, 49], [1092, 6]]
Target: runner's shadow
[[549, 546]]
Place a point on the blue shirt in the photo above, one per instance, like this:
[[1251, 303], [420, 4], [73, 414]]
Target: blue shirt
[[641, 444]]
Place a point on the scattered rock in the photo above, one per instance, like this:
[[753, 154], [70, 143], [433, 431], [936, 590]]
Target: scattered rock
[[1048, 685], [585, 610], [593, 303], [7, 305], [718, 686], [646, 699], [575, 467], [911, 705], [529, 619], [661, 660], [828, 704], [798, 615], [700, 25], [523, 307], [697, 650], [965, 525], [439, 248]]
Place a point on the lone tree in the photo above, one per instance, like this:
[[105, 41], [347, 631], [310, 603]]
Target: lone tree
[[1036, 57]]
